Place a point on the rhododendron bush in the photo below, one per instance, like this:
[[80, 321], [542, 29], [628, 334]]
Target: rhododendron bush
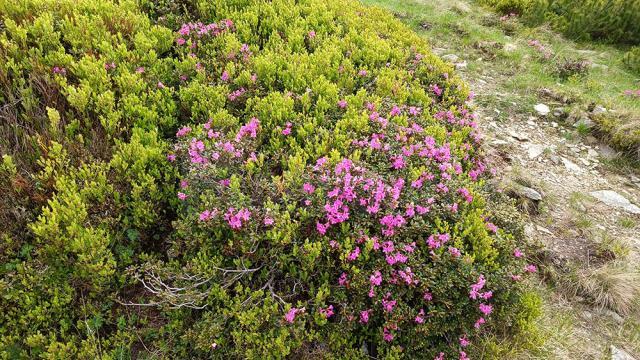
[[251, 179]]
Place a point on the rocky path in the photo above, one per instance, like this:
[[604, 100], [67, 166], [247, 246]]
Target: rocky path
[[581, 210]]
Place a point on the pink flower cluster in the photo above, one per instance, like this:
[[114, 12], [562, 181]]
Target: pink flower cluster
[[632, 93], [546, 53], [199, 30], [235, 219]]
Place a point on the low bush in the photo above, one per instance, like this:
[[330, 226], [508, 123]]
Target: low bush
[[610, 20], [323, 194], [632, 59]]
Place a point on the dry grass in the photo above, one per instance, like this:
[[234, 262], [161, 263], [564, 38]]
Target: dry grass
[[614, 285]]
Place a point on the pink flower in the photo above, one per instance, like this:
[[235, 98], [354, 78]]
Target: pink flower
[[475, 288], [161, 85], [327, 313], [236, 219], [395, 111], [183, 131], [454, 251], [420, 317], [388, 305], [387, 335], [479, 322], [492, 227], [290, 316], [464, 342], [287, 130], [225, 76], [322, 228], [182, 196], [208, 215], [171, 157], [342, 281], [251, 129], [268, 221], [362, 72], [312, 34], [517, 253], [180, 41], [436, 90], [398, 162], [530, 268], [485, 309], [342, 104], [427, 296], [140, 70], [308, 188], [376, 278], [364, 316], [354, 254]]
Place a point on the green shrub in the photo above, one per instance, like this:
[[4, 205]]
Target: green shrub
[[610, 20], [323, 194], [632, 59]]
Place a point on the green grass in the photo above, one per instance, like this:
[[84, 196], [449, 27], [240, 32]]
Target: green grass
[[518, 74]]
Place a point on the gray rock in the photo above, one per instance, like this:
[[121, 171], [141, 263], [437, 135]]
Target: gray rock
[[599, 109], [616, 200], [528, 192], [614, 315], [542, 109], [619, 354], [519, 136], [572, 167], [534, 151], [461, 65], [607, 152], [450, 58], [509, 47], [585, 122]]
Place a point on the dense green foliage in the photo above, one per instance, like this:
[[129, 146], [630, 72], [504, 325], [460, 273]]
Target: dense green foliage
[[632, 59], [610, 20], [241, 179]]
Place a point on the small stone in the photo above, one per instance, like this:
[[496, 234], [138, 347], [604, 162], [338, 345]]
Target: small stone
[[570, 166], [450, 58], [619, 354], [534, 151], [614, 315], [616, 200], [542, 109], [528, 192], [587, 315], [509, 47], [519, 136], [544, 230], [592, 153], [461, 65], [607, 152], [599, 109], [584, 122]]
